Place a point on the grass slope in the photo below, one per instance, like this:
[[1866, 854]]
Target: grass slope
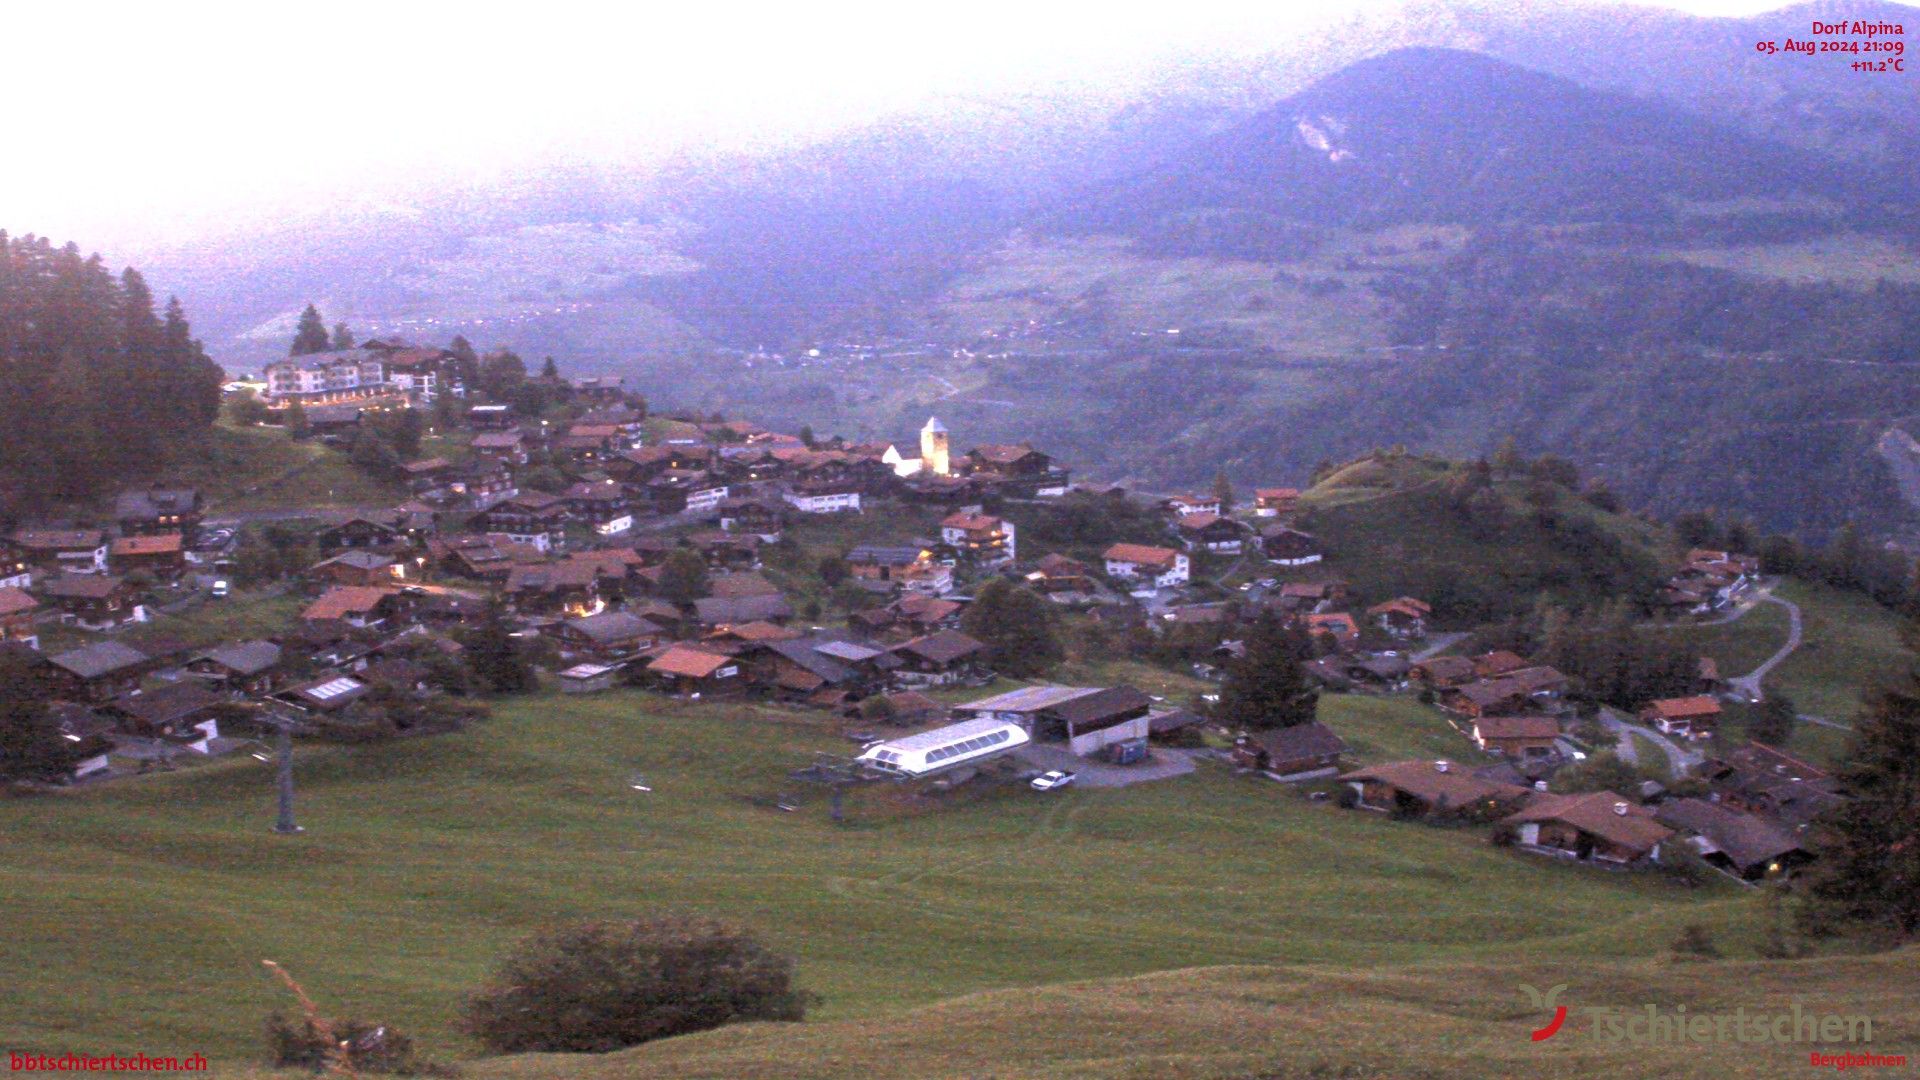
[[140, 911], [1282, 1023], [1390, 529]]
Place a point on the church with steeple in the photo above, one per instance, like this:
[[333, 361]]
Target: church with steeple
[[936, 453]]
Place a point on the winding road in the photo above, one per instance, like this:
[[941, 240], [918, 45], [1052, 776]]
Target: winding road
[[1749, 684]]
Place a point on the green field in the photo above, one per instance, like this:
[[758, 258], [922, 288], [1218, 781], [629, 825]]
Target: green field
[[139, 911]]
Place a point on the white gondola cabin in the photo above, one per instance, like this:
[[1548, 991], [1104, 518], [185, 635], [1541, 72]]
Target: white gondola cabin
[[925, 753]]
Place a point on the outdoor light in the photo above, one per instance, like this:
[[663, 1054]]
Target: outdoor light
[[72, 738]]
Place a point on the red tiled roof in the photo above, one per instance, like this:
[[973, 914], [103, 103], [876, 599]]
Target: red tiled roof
[[1142, 554], [343, 600], [164, 544], [687, 661]]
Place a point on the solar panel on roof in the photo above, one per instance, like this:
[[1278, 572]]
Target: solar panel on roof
[[327, 691]]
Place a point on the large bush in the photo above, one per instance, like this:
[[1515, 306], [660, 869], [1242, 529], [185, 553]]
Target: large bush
[[600, 986]]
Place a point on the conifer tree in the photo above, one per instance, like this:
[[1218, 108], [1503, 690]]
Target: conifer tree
[[31, 746], [1869, 876], [311, 335], [683, 576], [342, 337], [1017, 626], [497, 664], [1223, 491], [1266, 687]]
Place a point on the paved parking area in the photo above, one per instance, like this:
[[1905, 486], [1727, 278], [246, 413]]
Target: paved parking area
[[1161, 764]]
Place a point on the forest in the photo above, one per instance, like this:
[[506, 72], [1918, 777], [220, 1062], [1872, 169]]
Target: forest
[[95, 385]]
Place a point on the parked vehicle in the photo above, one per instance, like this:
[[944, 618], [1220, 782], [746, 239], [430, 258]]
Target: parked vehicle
[[1047, 781]]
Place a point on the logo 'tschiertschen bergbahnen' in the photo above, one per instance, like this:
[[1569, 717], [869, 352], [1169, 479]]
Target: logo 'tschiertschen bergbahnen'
[[1655, 1025]]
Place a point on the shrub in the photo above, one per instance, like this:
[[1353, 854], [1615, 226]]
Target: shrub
[[599, 986], [1695, 942], [1346, 798]]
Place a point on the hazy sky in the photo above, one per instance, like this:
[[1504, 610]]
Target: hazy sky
[[147, 122]]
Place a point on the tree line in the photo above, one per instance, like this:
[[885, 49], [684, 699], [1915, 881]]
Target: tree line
[[94, 384]]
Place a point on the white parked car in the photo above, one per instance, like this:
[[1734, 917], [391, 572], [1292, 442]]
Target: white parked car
[[1047, 781]]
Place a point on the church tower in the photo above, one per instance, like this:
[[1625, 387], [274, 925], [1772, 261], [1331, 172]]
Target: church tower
[[933, 448]]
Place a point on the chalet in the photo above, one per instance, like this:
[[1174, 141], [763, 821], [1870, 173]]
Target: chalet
[[1695, 717], [534, 518], [249, 667], [91, 736], [162, 555], [1517, 736], [1007, 462], [715, 611], [480, 483], [360, 533], [1185, 505], [1293, 752], [603, 507], [17, 610], [1059, 574], [1740, 844], [940, 658], [586, 443], [62, 551], [1286, 546], [1541, 682], [1487, 697], [354, 605], [356, 566], [1210, 532], [736, 585], [156, 511], [508, 447], [684, 669], [587, 678], [1376, 672], [329, 694], [1598, 826], [15, 571], [488, 558], [94, 601], [333, 421], [608, 636], [1296, 596], [1495, 664], [763, 518], [723, 550], [824, 498], [1443, 672], [1273, 502], [1761, 780], [982, 538], [734, 638], [1404, 617], [1338, 625], [570, 588], [906, 708], [823, 668], [428, 478], [98, 671], [183, 712], [881, 562], [1163, 567], [1420, 787]]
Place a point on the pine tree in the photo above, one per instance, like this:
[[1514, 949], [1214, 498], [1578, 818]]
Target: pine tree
[[549, 370], [311, 335], [1017, 626], [1772, 721], [31, 746], [1223, 491], [294, 418], [342, 337], [1266, 687], [1869, 876], [497, 664], [683, 577]]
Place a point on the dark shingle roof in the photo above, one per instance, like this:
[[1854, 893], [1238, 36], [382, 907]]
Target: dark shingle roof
[[99, 658]]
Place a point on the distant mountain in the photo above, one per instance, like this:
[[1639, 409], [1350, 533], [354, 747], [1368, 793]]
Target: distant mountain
[[1442, 135]]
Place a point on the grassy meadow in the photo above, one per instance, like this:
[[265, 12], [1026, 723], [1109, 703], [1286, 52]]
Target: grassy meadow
[[139, 911]]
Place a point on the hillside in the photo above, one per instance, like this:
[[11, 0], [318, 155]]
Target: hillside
[[1267, 1023], [1444, 135], [1396, 526], [425, 858]]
